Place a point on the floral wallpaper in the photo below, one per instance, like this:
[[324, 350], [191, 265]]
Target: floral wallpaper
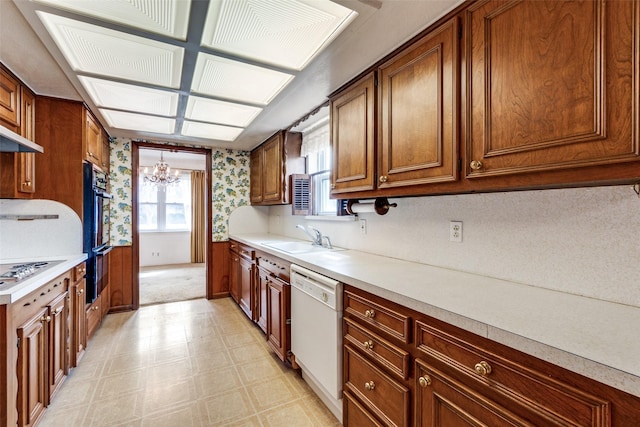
[[230, 182]]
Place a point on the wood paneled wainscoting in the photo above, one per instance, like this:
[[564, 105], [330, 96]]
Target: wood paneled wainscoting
[[121, 279], [218, 277], [122, 283]]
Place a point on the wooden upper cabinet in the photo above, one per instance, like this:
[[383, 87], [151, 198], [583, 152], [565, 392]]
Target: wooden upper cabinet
[[18, 169], [92, 140], [551, 85], [105, 157], [353, 137], [273, 169], [418, 123], [9, 101], [256, 176], [271, 164]]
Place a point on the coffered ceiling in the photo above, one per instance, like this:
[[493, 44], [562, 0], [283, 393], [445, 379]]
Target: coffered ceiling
[[223, 73]]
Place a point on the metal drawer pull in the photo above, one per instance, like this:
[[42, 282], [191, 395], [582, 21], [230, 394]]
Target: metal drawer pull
[[424, 381], [483, 368], [370, 314], [370, 385], [45, 319], [368, 345]]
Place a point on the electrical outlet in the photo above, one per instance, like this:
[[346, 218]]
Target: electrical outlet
[[455, 231], [363, 226]]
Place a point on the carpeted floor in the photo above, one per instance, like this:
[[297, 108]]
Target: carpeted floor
[[169, 283]]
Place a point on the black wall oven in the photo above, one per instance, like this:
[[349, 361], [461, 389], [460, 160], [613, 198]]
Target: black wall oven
[[96, 229]]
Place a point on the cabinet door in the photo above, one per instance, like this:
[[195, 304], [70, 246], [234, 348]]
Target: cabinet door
[[79, 341], [9, 101], [32, 368], [262, 280], [234, 280], [273, 169], [353, 138], [94, 316], [441, 401], [418, 101], [245, 276], [58, 343], [93, 140], [278, 315], [540, 99], [256, 163], [105, 155]]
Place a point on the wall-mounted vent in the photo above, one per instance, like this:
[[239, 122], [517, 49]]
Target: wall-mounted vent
[[301, 194]]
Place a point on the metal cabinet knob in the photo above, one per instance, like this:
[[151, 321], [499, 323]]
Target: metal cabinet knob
[[475, 165], [383, 178], [482, 368], [45, 319], [370, 314], [370, 385], [424, 381], [368, 345]]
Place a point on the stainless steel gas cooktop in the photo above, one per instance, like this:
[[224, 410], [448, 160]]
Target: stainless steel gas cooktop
[[13, 273]]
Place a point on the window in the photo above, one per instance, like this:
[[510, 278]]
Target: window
[[165, 209], [317, 149]]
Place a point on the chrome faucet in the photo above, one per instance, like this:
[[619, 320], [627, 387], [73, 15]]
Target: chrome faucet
[[316, 236]]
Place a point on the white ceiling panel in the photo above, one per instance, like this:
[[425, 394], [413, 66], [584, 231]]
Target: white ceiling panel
[[141, 122], [98, 50], [235, 80], [225, 113], [166, 17], [121, 96], [287, 33], [209, 131]]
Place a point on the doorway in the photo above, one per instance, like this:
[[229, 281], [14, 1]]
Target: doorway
[[170, 252]]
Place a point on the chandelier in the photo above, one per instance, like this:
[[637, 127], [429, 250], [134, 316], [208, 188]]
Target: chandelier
[[161, 175]]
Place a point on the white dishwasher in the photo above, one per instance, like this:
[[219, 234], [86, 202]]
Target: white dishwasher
[[316, 333]]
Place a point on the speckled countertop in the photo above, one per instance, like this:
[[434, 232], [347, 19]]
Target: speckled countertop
[[595, 338], [13, 293]]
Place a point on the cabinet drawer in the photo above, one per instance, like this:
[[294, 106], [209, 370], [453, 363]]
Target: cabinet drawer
[[377, 348], [356, 415], [244, 251], [277, 266], [380, 394], [512, 384], [378, 317], [79, 271], [94, 316]]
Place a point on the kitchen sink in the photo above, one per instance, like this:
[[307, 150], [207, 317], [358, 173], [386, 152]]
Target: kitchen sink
[[298, 247]]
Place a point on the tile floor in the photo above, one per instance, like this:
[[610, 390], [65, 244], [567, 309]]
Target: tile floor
[[190, 363]]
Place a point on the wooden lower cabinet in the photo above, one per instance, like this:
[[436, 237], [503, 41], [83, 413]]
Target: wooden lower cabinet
[[94, 316], [444, 376], [278, 317], [58, 341], [445, 402], [259, 284], [260, 309], [245, 294], [32, 368], [78, 298], [385, 397]]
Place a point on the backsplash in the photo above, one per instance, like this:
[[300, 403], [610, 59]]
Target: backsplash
[[230, 182], [60, 235], [584, 241]]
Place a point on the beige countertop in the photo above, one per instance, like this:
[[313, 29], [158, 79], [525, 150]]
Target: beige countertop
[[17, 291], [595, 338]]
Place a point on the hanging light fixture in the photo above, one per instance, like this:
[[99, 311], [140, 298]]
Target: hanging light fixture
[[161, 175]]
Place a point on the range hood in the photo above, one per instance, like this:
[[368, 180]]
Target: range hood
[[14, 143]]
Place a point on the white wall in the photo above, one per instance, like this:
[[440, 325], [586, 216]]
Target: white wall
[[164, 248], [582, 241]]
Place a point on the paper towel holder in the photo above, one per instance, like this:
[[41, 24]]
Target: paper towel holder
[[380, 206]]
